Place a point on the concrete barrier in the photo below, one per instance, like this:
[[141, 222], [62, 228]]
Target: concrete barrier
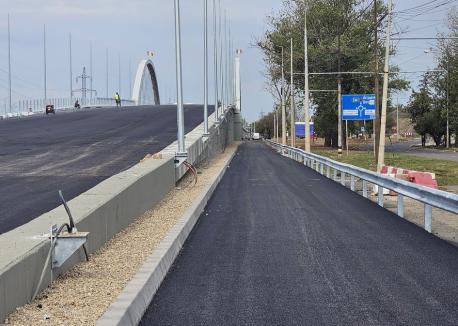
[[103, 211]]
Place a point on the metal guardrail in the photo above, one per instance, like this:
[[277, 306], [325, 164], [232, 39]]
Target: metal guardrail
[[428, 196]]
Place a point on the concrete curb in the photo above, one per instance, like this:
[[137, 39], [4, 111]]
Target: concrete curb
[[131, 304]]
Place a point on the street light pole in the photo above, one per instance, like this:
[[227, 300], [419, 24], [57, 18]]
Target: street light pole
[[215, 59], [44, 64], [292, 104], [283, 106], [90, 68], [381, 150], [306, 84], [106, 67], [9, 65], [181, 152], [70, 67], [206, 68]]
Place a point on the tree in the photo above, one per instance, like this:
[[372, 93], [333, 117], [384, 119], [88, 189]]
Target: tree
[[426, 112], [328, 21]]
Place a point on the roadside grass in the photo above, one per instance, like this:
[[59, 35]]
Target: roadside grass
[[446, 171]]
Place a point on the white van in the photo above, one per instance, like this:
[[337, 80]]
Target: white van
[[256, 136]]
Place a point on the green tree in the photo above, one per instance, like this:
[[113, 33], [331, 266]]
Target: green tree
[[426, 111], [328, 22]]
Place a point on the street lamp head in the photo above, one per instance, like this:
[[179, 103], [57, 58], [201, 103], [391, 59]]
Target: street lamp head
[[150, 53]]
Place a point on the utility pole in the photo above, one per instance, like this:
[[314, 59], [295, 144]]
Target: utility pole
[[84, 77], [381, 150], [9, 66], [70, 67], [205, 68], [306, 84], [106, 67], [447, 134], [339, 100], [275, 125], [292, 104], [283, 106], [277, 135], [44, 64], [181, 152], [215, 59], [376, 122]]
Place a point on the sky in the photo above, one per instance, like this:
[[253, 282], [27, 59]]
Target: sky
[[130, 28]]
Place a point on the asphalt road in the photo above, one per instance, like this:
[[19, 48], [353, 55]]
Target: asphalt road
[[413, 147], [74, 151], [279, 244]]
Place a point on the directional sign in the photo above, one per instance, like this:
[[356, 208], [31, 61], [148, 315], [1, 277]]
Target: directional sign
[[358, 107]]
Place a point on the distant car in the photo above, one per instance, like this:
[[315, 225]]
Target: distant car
[[256, 136], [50, 109]]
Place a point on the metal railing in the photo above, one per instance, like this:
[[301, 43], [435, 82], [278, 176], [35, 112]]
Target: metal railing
[[428, 196], [30, 106]]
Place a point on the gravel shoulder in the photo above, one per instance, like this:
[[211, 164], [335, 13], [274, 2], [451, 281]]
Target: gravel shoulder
[[83, 294]]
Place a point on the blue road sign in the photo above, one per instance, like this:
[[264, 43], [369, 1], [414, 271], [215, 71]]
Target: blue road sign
[[358, 107]]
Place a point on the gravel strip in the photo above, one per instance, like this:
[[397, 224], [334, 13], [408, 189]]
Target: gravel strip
[[83, 294]]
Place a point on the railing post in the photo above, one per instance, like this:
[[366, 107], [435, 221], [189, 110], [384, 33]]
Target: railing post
[[328, 171], [334, 174], [352, 182], [364, 188], [401, 205], [342, 178], [380, 196], [321, 168], [428, 217]]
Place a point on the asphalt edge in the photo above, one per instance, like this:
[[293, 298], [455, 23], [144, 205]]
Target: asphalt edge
[[129, 307]]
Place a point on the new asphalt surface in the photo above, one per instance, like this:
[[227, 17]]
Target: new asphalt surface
[[74, 151], [279, 244]]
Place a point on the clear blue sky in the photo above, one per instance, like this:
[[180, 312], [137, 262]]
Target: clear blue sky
[[130, 28]]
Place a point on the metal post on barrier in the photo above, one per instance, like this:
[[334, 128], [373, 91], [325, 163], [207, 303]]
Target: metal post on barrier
[[328, 171], [321, 169], [401, 205], [380, 196], [352, 182], [364, 188], [334, 176], [342, 178], [428, 217]]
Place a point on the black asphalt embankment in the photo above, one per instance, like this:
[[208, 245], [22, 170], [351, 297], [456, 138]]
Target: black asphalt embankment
[[279, 244], [74, 151]]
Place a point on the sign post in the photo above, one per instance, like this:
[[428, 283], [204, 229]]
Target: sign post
[[357, 107]]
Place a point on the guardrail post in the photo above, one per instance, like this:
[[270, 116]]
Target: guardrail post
[[401, 205], [352, 182], [364, 188], [334, 176], [380, 196], [328, 171], [342, 178], [321, 168], [428, 217]]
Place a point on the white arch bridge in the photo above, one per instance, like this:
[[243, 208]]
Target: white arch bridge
[[146, 90]]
